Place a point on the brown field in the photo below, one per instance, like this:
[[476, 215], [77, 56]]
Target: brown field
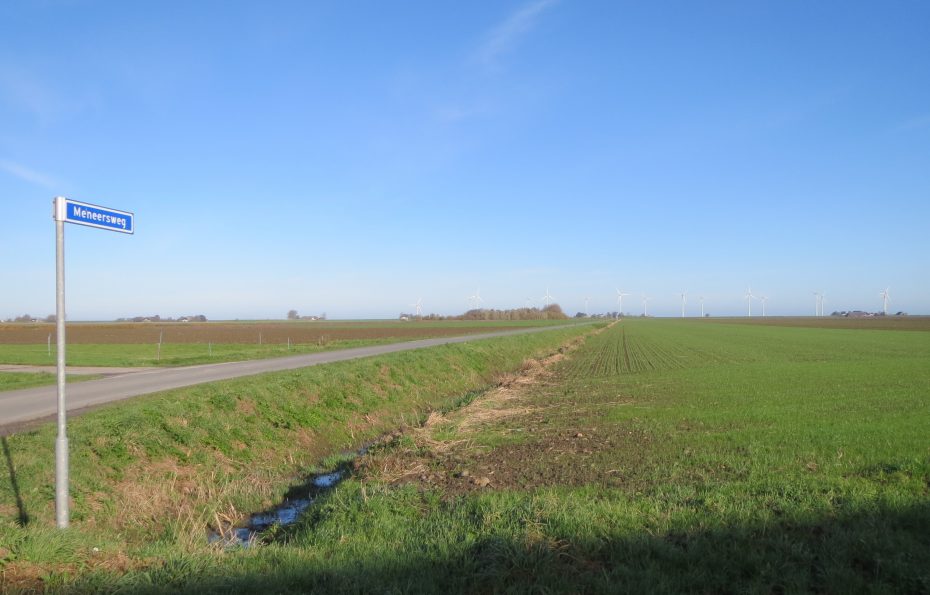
[[237, 332], [882, 323]]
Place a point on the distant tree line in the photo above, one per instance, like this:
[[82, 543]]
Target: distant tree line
[[293, 315], [29, 318], [863, 314], [550, 312], [157, 318], [51, 318]]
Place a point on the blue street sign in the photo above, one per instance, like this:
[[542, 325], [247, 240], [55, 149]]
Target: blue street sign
[[72, 211], [94, 216]]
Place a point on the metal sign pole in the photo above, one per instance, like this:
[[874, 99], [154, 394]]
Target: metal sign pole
[[81, 213], [61, 443]]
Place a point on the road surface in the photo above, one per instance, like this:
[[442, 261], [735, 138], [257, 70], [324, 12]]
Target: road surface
[[20, 406]]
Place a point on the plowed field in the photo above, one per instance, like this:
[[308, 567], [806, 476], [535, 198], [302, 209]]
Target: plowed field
[[221, 332]]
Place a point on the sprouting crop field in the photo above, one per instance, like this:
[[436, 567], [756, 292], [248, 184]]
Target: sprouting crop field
[[169, 344], [623, 353], [881, 323], [649, 456]]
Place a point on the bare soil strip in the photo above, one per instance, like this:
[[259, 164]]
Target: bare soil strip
[[441, 453]]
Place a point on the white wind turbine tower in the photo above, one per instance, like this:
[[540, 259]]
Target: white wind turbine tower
[[645, 301], [823, 298], [683, 294], [586, 307], [702, 306], [620, 295], [885, 299], [418, 306], [547, 298], [763, 300], [475, 299], [816, 303], [749, 297]]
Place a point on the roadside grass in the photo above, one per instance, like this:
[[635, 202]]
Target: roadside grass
[[18, 380], [150, 475], [658, 457]]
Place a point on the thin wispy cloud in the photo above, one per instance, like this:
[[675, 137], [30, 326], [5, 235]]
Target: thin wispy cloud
[[914, 123], [27, 175], [454, 113], [29, 95], [42, 98], [508, 33]]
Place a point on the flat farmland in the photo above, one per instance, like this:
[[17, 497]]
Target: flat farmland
[[660, 456], [875, 323], [171, 344]]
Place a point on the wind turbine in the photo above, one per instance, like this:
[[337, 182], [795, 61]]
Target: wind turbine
[[816, 304], [702, 306], [476, 299], [418, 306], [683, 294], [823, 298], [547, 298], [586, 307], [885, 299], [749, 297], [763, 299], [620, 295], [645, 301]]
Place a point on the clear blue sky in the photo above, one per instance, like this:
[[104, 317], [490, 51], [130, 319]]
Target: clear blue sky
[[350, 157]]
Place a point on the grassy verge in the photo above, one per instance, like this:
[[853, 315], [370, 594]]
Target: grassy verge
[[18, 380], [659, 457], [150, 475]]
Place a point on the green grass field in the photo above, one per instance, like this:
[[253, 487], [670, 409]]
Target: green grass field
[[660, 456]]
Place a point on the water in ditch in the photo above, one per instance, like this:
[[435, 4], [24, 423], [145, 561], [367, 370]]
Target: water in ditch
[[284, 514]]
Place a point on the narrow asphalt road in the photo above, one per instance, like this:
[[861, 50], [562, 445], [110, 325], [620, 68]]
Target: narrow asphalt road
[[20, 406]]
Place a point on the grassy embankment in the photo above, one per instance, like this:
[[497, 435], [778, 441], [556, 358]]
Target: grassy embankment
[[150, 475], [663, 456]]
